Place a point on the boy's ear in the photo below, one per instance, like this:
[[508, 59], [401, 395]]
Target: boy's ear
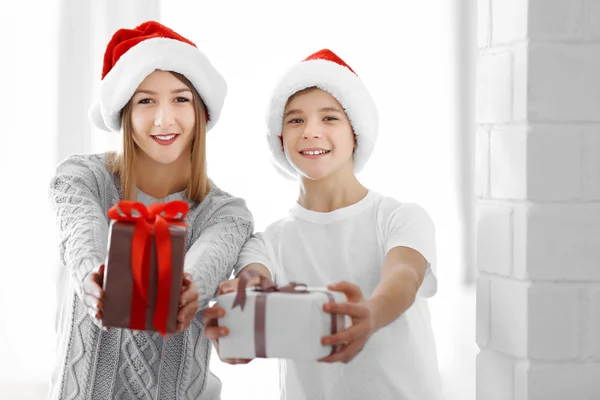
[[281, 140]]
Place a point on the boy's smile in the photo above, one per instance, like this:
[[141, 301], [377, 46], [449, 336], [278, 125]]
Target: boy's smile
[[318, 139]]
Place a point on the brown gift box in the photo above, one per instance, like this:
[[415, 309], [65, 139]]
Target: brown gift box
[[118, 276]]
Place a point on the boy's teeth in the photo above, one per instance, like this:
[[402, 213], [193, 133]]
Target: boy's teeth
[[314, 153]]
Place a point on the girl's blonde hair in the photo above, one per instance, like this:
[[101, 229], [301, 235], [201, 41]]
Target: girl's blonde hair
[[123, 163]]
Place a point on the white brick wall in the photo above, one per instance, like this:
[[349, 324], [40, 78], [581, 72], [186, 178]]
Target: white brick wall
[[509, 21], [591, 164], [592, 20], [538, 188], [555, 19], [495, 376], [563, 80]]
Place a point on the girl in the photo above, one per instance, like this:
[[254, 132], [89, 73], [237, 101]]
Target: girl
[[162, 94], [322, 126]]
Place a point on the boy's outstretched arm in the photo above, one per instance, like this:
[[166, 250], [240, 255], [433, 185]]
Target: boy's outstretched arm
[[402, 275]]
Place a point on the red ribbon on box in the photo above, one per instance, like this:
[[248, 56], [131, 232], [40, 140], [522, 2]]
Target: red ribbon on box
[[154, 219]]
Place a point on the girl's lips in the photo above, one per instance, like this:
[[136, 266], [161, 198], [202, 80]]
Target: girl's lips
[[163, 142]]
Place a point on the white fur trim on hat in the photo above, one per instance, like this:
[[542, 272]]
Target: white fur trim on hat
[[119, 85], [348, 90]]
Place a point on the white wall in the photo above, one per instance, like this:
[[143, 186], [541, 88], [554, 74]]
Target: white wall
[[538, 151]]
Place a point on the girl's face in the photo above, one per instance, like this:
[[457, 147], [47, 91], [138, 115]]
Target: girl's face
[[317, 137], [163, 117]]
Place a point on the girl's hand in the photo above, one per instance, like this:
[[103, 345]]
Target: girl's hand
[[93, 296], [188, 303]]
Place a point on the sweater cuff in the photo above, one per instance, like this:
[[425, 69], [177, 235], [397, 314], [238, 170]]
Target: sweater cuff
[[80, 273]]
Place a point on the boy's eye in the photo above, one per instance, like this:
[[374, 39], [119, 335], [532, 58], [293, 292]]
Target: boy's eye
[[295, 121], [144, 101], [330, 119], [182, 99]]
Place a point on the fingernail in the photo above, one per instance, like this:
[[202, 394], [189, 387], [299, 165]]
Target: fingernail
[[221, 313], [223, 331], [326, 341]]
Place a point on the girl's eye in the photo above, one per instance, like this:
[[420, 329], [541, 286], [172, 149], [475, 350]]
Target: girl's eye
[[295, 121], [144, 101], [330, 119], [182, 100]]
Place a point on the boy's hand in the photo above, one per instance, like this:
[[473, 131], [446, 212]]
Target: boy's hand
[[354, 338], [210, 317]]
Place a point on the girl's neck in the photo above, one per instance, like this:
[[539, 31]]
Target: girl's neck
[[336, 191], [159, 180]]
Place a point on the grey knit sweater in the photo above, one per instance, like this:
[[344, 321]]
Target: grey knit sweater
[[121, 363]]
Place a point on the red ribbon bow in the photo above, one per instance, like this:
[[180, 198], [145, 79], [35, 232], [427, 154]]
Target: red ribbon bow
[[156, 218]]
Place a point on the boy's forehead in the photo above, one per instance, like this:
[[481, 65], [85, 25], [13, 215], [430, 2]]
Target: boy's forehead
[[314, 93]]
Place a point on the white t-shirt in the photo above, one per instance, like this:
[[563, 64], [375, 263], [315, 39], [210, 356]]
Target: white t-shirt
[[399, 361]]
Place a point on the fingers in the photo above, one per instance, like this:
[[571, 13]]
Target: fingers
[[215, 332], [188, 295], [93, 295], [351, 309], [352, 291], [93, 302], [346, 336], [347, 353], [186, 315], [229, 286], [212, 314], [100, 270], [92, 287], [235, 361], [329, 357], [96, 317], [187, 280]]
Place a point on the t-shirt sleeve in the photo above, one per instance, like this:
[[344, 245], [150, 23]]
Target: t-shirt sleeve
[[258, 250], [409, 225]]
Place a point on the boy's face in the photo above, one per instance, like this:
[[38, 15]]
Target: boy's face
[[317, 137]]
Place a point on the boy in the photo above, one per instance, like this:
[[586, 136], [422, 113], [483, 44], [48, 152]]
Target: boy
[[322, 126]]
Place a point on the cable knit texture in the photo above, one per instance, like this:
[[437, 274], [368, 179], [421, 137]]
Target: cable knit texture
[[121, 363]]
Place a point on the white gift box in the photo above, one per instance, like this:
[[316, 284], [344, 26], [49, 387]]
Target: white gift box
[[292, 327]]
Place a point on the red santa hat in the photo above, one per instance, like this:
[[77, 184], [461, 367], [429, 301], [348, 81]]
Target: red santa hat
[[328, 72], [133, 54]]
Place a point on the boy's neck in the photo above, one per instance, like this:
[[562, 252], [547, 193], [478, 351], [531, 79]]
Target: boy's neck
[[332, 193], [159, 180]]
